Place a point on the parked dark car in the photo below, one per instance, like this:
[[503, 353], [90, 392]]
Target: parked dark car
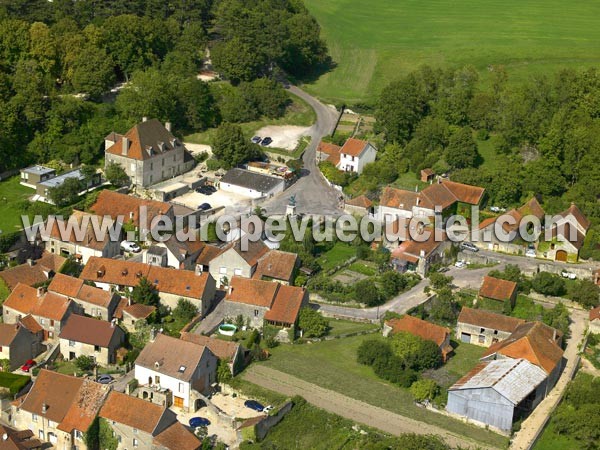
[[256, 139], [211, 188], [253, 404], [196, 422], [204, 190], [204, 207], [266, 141], [105, 379], [468, 246]]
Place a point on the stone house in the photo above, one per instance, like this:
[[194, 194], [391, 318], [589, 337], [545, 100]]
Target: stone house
[[172, 284], [427, 175], [278, 266], [355, 154], [358, 206], [419, 255], [262, 302], [595, 320], [85, 336], [49, 310], [148, 152], [233, 261], [19, 439], [142, 425], [181, 367], [133, 313], [425, 330], [498, 290], [18, 344], [567, 232], [89, 300], [59, 409], [232, 352], [484, 328], [174, 253], [80, 247]]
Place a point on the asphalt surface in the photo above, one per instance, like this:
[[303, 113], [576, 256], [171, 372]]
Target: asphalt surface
[[313, 194]]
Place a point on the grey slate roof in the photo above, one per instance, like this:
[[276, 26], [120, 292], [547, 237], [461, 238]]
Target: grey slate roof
[[38, 169], [60, 179], [251, 180]]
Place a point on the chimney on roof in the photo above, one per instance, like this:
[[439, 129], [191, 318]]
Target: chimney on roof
[[230, 290], [30, 262], [144, 119], [168, 126], [40, 291], [124, 146], [418, 201], [44, 408], [554, 335], [422, 253]]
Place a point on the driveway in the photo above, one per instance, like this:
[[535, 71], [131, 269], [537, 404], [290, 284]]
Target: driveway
[[348, 407], [313, 194]]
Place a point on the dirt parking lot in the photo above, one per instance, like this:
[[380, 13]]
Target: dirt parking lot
[[230, 201], [284, 136]]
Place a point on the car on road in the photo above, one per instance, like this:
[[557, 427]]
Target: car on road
[[460, 264], [497, 209], [29, 364], [204, 207], [256, 139], [569, 275], [468, 246], [130, 246], [266, 141], [196, 422], [530, 251], [268, 409], [105, 379], [253, 404]]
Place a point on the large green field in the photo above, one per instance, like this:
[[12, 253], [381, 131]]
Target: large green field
[[373, 42], [11, 195]]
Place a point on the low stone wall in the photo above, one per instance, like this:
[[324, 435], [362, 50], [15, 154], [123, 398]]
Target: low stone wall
[[264, 426]]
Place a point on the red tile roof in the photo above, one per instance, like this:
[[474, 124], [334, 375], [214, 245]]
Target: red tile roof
[[362, 201], [133, 412], [403, 199], [146, 139], [287, 304], [422, 328], [38, 273], [89, 331], [70, 401], [222, 349], [411, 250], [331, 150], [497, 289], [127, 208], [595, 313], [276, 264], [578, 215], [25, 299], [533, 341], [178, 437], [252, 292], [65, 285], [76, 289], [486, 319], [8, 333], [31, 324], [72, 225], [184, 283], [139, 311], [354, 147], [463, 192]]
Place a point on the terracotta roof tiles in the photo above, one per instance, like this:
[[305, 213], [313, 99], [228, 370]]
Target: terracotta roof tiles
[[35, 274], [126, 208], [497, 289], [222, 349], [354, 147], [425, 330], [252, 292], [88, 330], [276, 264], [486, 319], [133, 412], [287, 304]]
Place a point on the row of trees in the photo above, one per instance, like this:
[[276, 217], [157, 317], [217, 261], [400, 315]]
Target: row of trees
[[545, 132]]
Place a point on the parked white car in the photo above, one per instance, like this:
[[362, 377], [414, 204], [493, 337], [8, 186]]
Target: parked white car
[[569, 275], [460, 264], [130, 246], [268, 409], [531, 252]]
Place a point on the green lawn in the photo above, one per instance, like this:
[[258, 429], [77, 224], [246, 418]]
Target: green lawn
[[297, 113], [364, 267], [374, 42], [465, 357], [339, 327], [332, 365], [526, 308], [11, 194], [339, 254], [550, 440]]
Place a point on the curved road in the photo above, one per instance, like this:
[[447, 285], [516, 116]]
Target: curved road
[[313, 194]]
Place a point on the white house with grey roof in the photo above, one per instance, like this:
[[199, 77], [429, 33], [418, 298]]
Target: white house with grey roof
[[496, 393], [251, 184]]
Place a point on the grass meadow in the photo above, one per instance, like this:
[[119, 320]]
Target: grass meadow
[[373, 42]]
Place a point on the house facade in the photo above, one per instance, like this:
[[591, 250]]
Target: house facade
[[251, 184], [59, 409], [34, 175], [233, 261], [149, 153], [355, 154], [498, 290], [181, 367], [595, 320], [97, 339], [80, 247], [484, 328], [171, 284], [232, 352], [49, 310], [89, 300], [18, 344], [138, 424]]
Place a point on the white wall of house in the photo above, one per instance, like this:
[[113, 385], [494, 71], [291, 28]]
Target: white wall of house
[[246, 192], [228, 264], [349, 163]]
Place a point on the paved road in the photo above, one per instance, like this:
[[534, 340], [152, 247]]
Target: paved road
[[524, 439], [348, 407], [313, 194]]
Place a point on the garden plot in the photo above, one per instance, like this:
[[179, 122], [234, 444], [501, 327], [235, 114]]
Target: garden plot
[[347, 276]]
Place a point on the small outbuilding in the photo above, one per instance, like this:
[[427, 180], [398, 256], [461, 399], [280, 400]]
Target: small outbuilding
[[251, 184]]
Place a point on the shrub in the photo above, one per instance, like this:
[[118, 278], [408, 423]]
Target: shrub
[[312, 323], [548, 284], [370, 349], [424, 389], [84, 362], [13, 382]]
